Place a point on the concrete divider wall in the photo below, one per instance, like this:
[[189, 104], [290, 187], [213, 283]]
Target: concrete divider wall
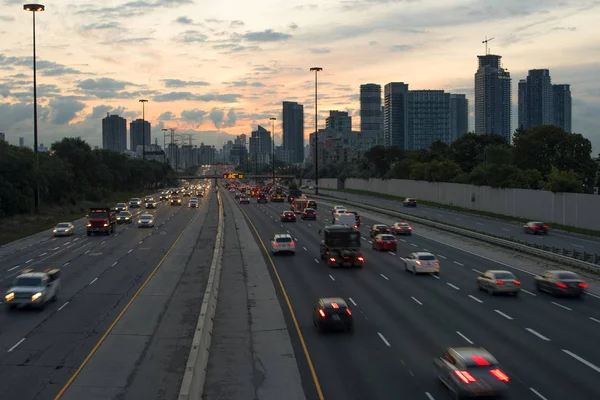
[[578, 210]]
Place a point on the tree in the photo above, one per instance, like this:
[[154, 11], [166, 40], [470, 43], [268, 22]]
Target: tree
[[564, 181], [469, 150]]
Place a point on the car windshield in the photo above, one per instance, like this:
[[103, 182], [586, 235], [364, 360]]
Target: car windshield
[[121, 205], [62, 225], [124, 214], [403, 224], [284, 240], [146, 217], [28, 281], [380, 227], [426, 257], [97, 214], [135, 199], [566, 275], [386, 238], [504, 275]]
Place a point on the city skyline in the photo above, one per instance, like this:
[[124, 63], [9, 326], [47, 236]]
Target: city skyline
[[247, 69]]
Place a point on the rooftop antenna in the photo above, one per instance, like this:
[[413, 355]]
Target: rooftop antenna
[[486, 44]]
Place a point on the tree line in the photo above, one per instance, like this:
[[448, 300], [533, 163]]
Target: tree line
[[543, 157], [70, 173]]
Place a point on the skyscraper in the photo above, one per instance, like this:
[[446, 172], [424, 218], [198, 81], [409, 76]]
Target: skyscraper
[[492, 97], [459, 116], [395, 121], [114, 133], [293, 131], [371, 126], [562, 106], [21, 142], [339, 121], [535, 99], [2, 137], [135, 134]]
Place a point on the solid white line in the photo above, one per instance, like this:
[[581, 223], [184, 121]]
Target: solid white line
[[464, 337], [435, 276], [457, 263], [63, 306], [21, 341], [380, 335], [317, 261], [305, 248], [430, 397], [352, 301], [479, 223], [538, 394], [441, 256], [392, 253], [528, 292], [95, 279], [504, 315], [582, 360], [452, 286], [13, 268], [416, 301], [561, 306], [595, 320], [42, 255], [113, 264], [384, 277], [130, 250], [576, 245], [332, 278], [476, 270], [475, 298], [28, 261], [537, 334]]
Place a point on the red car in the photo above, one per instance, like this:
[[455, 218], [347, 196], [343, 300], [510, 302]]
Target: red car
[[385, 243], [535, 228]]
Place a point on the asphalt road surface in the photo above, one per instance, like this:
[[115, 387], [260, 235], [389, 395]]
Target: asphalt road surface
[[547, 346], [99, 274], [474, 222]]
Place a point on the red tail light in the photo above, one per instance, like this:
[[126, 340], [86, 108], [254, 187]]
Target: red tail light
[[331, 259], [545, 226], [582, 285], [292, 244], [499, 282], [275, 244], [561, 285], [361, 258], [480, 361], [348, 311], [516, 282], [437, 263], [409, 228], [501, 376], [465, 377], [322, 313], [395, 241]]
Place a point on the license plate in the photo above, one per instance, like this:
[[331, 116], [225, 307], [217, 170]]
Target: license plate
[[336, 317]]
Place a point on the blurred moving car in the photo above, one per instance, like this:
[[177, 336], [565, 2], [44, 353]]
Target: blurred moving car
[[64, 229], [421, 262], [332, 313], [402, 228], [494, 282], [561, 283], [378, 229], [244, 200], [535, 228], [150, 202], [409, 202], [121, 207], [384, 242], [175, 201], [135, 202]]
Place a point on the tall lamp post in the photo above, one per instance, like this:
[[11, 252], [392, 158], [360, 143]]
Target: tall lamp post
[[36, 196], [164, 131], [143, 101], [273, 143], [316, 71]]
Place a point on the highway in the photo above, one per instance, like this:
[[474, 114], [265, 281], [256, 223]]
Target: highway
[[478, 223], [547, 346], [99, 274]]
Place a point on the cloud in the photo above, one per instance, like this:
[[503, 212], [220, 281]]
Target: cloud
[[401, 47], [177, 96], [178, 83], [64, 109], [293, 26], [47, 68], [236, 24], [195, 115], [320, 51], [166, 116], [100, 111], [217, 117], [103, 84], [6, 18], [192, 36], [373, 43], [266, 36], [130, 8], [234, 48], [136, 40], [185, 21], [101, 26], [245, 84]]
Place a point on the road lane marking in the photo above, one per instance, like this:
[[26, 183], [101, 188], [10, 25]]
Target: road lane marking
[[76, 239], [95, 279], [506, 230], [130, 250], [317, 261], [577, 245], [63, 306], [56, 248], [66, 244], [441, 256], [416, 301], [476, 270], [102, 242], [538, 394], [363, 238], [332, 278], [113, 264], [464, 337], [352, 301], [479, 223], [402, 240], [435, 276], [380, 335], [87, 251], [528, 292], [13, 268], [16, 345], [427, 250], [141, 241], [452, 286], [537, 334], [561, 306], [384, 277], [414, 245], [504, 315], [392, 253], [595, 320], [370, 241], [457, 263], [28, 261], [582, 360], [430, 397], [305, 248], [67, 263], [42, 255], [476, 299]]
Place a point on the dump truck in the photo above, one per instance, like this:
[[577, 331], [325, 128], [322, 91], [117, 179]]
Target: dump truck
[[340, 246], [101, 220]]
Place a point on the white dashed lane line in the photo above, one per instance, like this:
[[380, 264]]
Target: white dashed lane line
[[63, 306], [16, 345], [457, 263], [332, 278], [582, 360], [380, 335], [352, 301], [441, 256], [452, 286], [317, 261], [476, 271], [595, 320], [528, 292], [538, 394], [416, 301], [464, 337], [384, 277], [475, 298], [504, 315], [533, 332], [561, 306]]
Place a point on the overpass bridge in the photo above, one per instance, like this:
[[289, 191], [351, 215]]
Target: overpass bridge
[[235, 176]]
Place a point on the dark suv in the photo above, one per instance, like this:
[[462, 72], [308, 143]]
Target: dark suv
[[308, 213], [410, 202]]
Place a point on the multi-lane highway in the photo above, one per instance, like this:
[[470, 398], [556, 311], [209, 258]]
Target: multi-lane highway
[[547, 345], [99, 274], [478, 223]]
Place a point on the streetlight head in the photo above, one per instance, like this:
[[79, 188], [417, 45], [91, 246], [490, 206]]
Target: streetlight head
[[273, 118], [316, 69], [143, 101], [34, 7]]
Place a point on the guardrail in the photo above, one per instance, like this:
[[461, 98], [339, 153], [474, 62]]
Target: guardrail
[[582, 260]]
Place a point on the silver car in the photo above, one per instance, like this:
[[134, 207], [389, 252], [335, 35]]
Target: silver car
[[421, 263], [495, 282], [193, 203], [64, 229], [146, 221]]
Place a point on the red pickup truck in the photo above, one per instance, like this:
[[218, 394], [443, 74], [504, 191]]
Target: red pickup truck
[[101, 220]]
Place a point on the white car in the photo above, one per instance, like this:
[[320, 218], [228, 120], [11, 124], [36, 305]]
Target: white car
[[64, 229], [421, 263], [335, 208], [283, 242], [146, 221]]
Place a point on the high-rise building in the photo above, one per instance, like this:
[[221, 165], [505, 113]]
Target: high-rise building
[[371, 113], [260, 142], [492, 97], [535, 99], [138, 128], [339, 121], [293, 130], [2, 137], [21, 142], [562, 106], [395, 122], [114, 133], [459, 115]]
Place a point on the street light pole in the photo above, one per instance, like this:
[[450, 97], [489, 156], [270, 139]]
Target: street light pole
[[143, 101], [273, 143], [164, 131], [36, 196], [316, 71]]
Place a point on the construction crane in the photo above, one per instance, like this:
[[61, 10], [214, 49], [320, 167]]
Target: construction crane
[[486, 44], [190, 138]]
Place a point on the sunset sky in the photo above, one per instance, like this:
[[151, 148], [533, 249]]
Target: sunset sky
[[219, 68]]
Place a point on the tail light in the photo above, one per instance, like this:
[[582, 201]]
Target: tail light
[[536, 227], [582, 285], [355, 226], [545, 226], [361, 258], [561, 285], [499, 282], [437, 263], [276, 244], [501, 376], [409, 228], [395, 241], [331, 259], [418, 262], [348, 311], [292, 244], [465, 377], [516, 282], [322, 313]]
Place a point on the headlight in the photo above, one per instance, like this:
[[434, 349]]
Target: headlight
[[89, 225], [9, 296], [54, 230], [36, 296], [105, 225], [127, 218]]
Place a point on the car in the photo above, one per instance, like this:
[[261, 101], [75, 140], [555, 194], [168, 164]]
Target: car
[[164, 196], [338, 207], [384, 242], [402, 228], [64, 229], [244, 199], [288, 216], [308, 213], [409, 202], [146, 221], [535, 228], [121, 207], [135, 202], [333, 313], [194, 203], [421, 262], [379, 229], [175, 201], [471, 371], [148, 198], [497, 281], [358, 217], [124, 217], [283, 243], [150, 202], [561, 283]]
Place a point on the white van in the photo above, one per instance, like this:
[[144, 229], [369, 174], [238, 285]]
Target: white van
[[345, 219]]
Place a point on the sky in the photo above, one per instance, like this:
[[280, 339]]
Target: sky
[[216, 69]]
